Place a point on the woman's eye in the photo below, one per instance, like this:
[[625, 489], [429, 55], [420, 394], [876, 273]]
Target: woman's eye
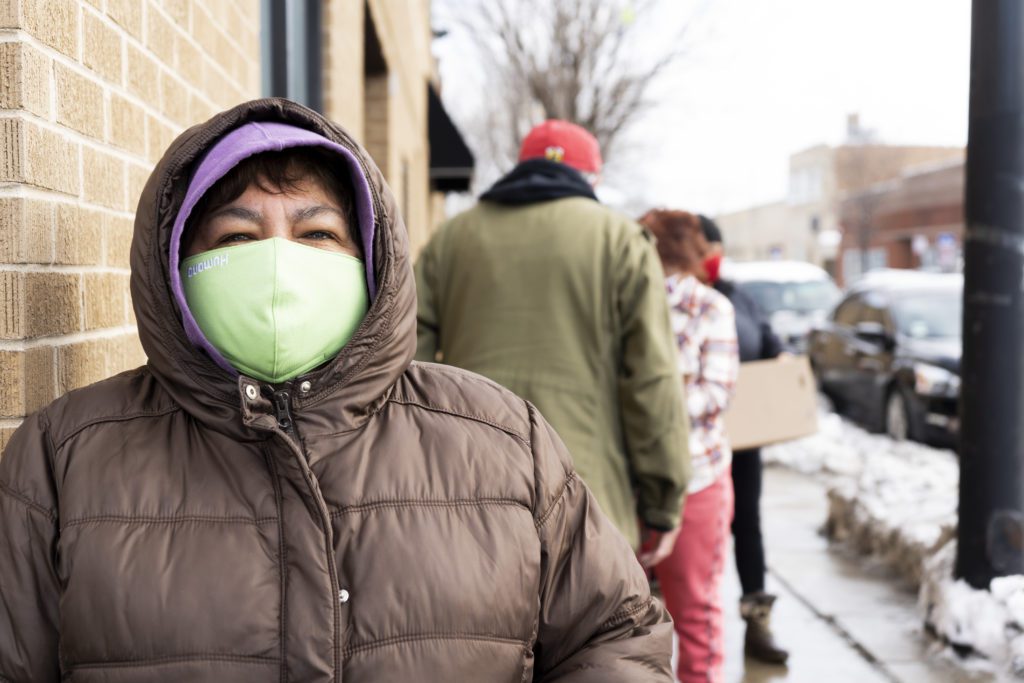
[[235, 237], [318, 235]]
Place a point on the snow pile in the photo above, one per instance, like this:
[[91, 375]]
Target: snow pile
[[897, 502], [826, 452], [976, 623]]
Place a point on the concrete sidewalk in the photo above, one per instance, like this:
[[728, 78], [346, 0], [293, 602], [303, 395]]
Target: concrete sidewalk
[[842, 620]]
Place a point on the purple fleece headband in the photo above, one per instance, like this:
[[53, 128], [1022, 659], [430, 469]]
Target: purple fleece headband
[[241, 143]]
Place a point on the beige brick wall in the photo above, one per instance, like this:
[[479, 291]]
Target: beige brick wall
[[91, 94], [387, 114], [343, 63]]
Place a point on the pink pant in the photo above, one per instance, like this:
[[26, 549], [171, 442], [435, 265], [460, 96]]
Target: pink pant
[[691, 581]]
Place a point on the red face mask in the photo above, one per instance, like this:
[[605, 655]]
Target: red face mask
[[712, 266]]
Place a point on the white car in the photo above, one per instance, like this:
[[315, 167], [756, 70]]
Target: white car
[[794, 295]]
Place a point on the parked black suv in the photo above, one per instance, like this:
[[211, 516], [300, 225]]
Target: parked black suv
[[889, 355]]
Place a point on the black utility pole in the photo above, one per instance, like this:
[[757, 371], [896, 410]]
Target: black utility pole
[[991, 533]]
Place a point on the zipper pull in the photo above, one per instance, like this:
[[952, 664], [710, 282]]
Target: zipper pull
[[283, 410]]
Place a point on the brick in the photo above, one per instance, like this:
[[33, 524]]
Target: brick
[[40, 378], [102, 49], [219, 87], [104, 179], [26, 230], [210, 39], [12, 305], [214, 14], [30, 154], [24, 79], [9, 13], [103, 301], [51, 160], [5, 432], [246, 16], [134, 353], [126, 354], [53, 22], [127, 125], [160, 35], [79, 102], [81, 364], [188, 58], [127, 13], [179, 11], [12, 151], [26, 381], [137, 178], [158, 138], [52, 304], [78, 235], [117, 240], [174, 98], [12, 383], [143, 75]]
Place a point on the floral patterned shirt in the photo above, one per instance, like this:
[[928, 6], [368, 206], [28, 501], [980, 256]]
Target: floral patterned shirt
[[704, 326]]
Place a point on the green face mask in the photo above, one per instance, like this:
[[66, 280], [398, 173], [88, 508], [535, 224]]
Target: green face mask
[[274, 308]]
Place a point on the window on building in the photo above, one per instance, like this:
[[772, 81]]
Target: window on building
[[292, 50]]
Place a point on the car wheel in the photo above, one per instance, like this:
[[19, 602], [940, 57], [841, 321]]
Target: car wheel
[[897, 416]]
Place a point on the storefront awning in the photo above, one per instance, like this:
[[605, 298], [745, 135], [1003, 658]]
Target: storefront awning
[[451, 162]]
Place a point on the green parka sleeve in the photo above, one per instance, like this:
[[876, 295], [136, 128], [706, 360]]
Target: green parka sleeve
[[29, 586], [427, 342], [598, 621], [654, 419]]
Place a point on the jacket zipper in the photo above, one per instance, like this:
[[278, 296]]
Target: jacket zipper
[[283, 414]]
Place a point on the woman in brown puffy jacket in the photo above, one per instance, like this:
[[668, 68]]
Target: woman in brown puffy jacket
[[280, 494]]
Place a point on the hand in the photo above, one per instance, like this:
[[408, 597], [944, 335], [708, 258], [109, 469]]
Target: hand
[[656, 546]]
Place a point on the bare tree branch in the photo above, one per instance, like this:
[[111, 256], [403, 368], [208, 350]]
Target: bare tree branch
[[587, 61]]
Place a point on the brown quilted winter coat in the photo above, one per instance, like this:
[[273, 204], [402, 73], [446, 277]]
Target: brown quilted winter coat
[[392, 522]]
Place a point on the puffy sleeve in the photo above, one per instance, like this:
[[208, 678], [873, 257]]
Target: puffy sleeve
[[598, 621], [650, 393], [29, 586]]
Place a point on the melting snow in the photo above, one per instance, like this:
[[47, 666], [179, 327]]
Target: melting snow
[[898, 502]]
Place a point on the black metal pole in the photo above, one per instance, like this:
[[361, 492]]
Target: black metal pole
[[991, 531]]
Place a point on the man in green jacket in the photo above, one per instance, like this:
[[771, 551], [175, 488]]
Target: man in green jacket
[[544, 290]]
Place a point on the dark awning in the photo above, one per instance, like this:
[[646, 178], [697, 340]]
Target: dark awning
[[451, 162]]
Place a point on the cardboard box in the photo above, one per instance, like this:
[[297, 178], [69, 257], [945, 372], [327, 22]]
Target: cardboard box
[[775, 400]]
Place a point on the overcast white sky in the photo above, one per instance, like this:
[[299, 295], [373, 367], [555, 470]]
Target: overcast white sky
[[765, 78]]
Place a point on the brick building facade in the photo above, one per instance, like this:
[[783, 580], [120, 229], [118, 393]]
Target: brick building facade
[[91, 94], [916, 221], [807, 225]]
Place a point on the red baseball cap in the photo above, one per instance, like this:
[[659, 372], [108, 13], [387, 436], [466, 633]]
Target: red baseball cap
[[565, 142]]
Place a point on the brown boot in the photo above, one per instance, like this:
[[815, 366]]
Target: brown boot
[[759, 644]]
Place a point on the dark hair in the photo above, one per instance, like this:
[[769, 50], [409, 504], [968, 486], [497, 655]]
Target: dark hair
[[680, 240], [280, 172], [712, 233]]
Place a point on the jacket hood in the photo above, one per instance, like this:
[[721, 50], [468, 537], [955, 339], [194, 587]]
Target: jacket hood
[[539, 180], [381, 349], [243, 142]]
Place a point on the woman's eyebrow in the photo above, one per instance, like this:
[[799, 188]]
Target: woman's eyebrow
[[240, 212], [309, 212]]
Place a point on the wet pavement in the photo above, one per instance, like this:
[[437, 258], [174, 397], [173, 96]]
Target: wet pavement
[[843, 620]]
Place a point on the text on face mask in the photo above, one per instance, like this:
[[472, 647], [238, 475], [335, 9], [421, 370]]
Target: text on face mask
[[212, 262]]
